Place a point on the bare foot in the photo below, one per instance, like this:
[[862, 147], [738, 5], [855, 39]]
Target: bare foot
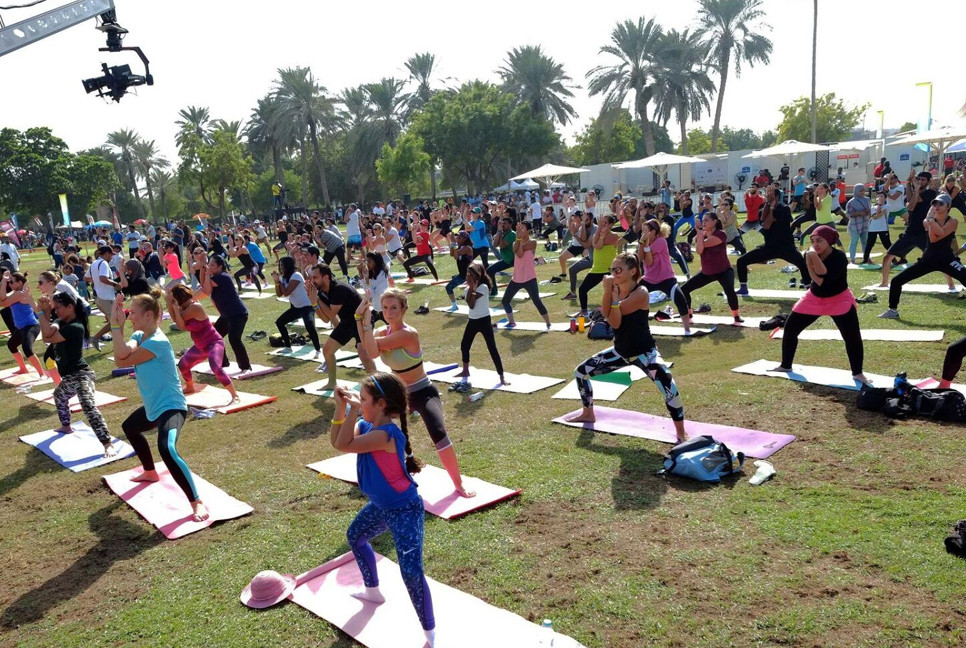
[[64, 429], [191, 389], [147, 476], [883, 285], [781, 369], [370, 594], [584, 416], [234, 401], [504, 381], [110, 449], [464, 492], [200, 512], [19, 372]]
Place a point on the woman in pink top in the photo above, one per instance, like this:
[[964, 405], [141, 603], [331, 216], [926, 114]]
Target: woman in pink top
[[715, 266], [658, 273], [173, 265], [190, 316], [524, 275]]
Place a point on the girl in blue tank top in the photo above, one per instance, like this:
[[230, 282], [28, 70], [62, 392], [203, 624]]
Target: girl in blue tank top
[[385, 464], [15, 298]]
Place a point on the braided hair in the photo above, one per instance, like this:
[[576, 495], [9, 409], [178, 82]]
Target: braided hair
[[390, 389]]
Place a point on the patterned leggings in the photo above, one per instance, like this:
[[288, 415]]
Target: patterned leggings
[[608, 360], [215, 355], [80, 384], [406, 525]]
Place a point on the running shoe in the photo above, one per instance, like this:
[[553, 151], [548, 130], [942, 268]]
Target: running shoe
[[703, 308], [555, 280], [791, 282], [741, 292], [422, 310], [664, 315], [739, 320], [569, 296], [453, 308], [890, 314], [868, 298]]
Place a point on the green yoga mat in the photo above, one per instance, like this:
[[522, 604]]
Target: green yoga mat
[[617, 377]]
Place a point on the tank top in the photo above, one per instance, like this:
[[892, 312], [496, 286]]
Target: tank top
[[523, 268], [633, 337], [399, 359], [203, 333], [23, 315], [463, 262], [603, 257], [941, 250], [824, 215], [382, 475]]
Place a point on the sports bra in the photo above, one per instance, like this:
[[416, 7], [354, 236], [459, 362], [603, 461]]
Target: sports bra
[[399, 359]]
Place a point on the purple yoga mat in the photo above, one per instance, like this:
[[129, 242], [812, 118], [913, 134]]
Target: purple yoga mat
[[645, 426]]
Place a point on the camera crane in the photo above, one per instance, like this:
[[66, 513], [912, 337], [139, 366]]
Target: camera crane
[[116, 80]]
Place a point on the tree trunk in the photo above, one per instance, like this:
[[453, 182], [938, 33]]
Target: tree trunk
[[318, 160], [134, 186], [432, 177], [643, 97], [277, 163], [147, 182], [682, 118], [305, 175], [725, 64], [814, 50], [164, 206]]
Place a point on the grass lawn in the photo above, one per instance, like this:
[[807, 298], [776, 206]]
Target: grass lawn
[[842, 548]]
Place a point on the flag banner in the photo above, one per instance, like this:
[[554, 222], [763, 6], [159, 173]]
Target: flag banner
[[64, 210]]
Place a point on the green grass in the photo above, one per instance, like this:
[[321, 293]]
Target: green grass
[[842, 548]]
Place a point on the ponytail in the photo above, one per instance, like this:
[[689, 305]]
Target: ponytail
[[391, 390]]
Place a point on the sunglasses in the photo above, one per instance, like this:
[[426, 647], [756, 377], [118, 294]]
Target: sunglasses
[[616, 270], [938, 203]]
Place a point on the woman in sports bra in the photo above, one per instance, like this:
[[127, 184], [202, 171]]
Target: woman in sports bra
[[399, 348]]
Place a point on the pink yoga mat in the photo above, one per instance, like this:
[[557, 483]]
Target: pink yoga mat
[[165, 506], [11, 377], [645, 426], [435, 487], [461, 619], [235, 372], [932, 383], [217, 399], [100, 399]]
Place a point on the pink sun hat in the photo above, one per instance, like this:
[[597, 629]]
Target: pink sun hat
[[267, 588]]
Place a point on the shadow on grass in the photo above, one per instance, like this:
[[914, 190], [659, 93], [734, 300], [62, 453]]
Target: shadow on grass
[[26, 413], [35, 463], [874, 422], [636, 486], [119, 540]]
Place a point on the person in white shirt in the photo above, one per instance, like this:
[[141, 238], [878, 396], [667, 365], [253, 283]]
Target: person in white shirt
[[105, 287], [11, 249], [536, 211], [353, 231], [895, 198]]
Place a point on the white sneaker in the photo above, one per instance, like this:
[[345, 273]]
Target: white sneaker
[[890, 314]]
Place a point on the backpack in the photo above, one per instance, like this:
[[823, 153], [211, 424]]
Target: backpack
[[685, 249], [956, 541], [778, 321], [600, 330], [938, 404], [702, 458]]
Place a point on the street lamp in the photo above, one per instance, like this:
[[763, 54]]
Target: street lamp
[[929, 116]]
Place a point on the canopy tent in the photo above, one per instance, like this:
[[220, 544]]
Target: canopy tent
[[958, 147], [517, 186], [856, 145], [788, 147], [103, 223], [549, 173], [939, 139], [73, 225], [659, 162]]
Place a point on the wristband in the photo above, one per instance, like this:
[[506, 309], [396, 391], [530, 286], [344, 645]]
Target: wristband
[[358, 317], [616, 303], [339, 422], [647, 248]]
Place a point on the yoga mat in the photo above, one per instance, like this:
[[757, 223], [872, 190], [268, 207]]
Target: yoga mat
[[928, 289], [932, 383], [841, 378], [101, 399], [418, 281], [265, 294], [869, 335], [463, 309], [865, 266], [767, 293], [319, 324], [216, 398], [723, 320], [523, 296], [435, 487], [658, 428], [603, 391], [678, 331], [11, 377], [308, 351], [163, 503], [80, 450], [557, 327], [316, 388], [489, 379], [235, 373], [461, 619]]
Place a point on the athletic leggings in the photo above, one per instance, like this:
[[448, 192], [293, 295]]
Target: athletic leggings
[[80, 384], [483, 254], [169, 426], [808, 215], [339, 254], [675, 253], [954, 359], [307, 313], [424, 399], [492, 269], [583, 264], [216, 357], [24, 338], [252, 273], [609, 360], [762, 253], [422, 258], [532, 289], [233, 328], [848, 325], [670, 288], [455, 281], [700, 280], [481, 325], [739, 245], [870, 243], [921, 268], [406, 526], [591, 280]]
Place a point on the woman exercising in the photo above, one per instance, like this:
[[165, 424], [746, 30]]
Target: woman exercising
[[479, 284], [953, 362], [625, 306], [424, 252], [150, 353], [291, 284], [133, 280], [605, 249], [712, 248], [249, 268], [399, 347], [658, 272], [463, 253], [377, 280], [232, 312], [524, 275], [15, 295]]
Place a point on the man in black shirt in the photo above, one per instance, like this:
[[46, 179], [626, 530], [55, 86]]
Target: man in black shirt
[[336, 303], [918, 196], [776, 228]]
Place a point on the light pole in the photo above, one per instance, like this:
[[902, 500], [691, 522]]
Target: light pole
[[881, 114], [929, 116]]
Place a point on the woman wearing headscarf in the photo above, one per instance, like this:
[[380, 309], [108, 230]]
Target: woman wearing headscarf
[[859, 211]]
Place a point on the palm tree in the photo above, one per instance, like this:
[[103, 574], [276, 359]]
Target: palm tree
[[164, 183], [684, 86], [636, 47], [390, 107], [420, 68], [270, 131], [122, 142], [234, 128], [147, 159], [298, 91], [734, 30], [538, 81], [194, 119]]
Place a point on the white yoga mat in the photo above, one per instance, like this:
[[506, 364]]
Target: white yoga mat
[[870, 335], [251, 294], [489, 379], [678, 331], [841, 378], [317, 388], [720, 320], [307, 352], [79, 450], [768, 293], [319, 324], [603, 391], [929, 289], [463, 309], [557, 327]]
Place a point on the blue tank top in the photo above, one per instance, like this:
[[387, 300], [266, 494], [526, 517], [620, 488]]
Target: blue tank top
[[23, 315], [382, 476]]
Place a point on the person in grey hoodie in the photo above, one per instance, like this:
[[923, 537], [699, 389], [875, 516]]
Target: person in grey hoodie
[[859, 211]]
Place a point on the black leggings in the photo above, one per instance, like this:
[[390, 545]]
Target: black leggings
[[532, 289], [233, 328], [484, 326], [921, 268], [23, 337], [670, 288], [427, 402], [870, 243], [307, 313], [483, 254], [422, 258], [763, 253], [700, 280], [591, 279], [954, 359], [250, 272], [848, 325], [339, 254], [808, 215], [169, 426], [739, 245]]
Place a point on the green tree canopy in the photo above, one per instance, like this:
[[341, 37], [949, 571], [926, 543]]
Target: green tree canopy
[[403, 168], [745, 138], [225, 166], [835, 119], [611, 137], [699, 142]]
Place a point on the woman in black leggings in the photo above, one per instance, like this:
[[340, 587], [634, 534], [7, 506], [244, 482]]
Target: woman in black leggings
[[953, 362], [605, 249], [249, 268], [478, 287], [291, 284], [232, 312], [715, 266], [524, 275], [658, 271]]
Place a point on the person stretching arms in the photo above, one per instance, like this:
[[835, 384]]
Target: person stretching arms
[[658, 272], [714, 263], [478, 284], [524, 274]]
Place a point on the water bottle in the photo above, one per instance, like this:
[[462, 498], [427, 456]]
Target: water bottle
[[581, 322], [475, 397], [573, 325], [547, 634], [900, 382]]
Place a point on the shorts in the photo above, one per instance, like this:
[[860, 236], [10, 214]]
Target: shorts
[[445, 227], [106, 306], [907, 242], [576, 250], [261, 240], [354, 240], [345, 331]]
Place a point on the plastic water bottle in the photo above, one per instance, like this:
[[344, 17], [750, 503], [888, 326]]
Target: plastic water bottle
[[573, 325], [547, 634], [477, 396], [900, 382], [581, 322]]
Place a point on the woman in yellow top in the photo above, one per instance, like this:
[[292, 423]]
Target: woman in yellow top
[[823, 210], [605, 250]]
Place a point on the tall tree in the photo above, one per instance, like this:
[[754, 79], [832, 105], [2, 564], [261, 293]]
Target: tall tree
[[538, 81], [835, 119], [146, 159], [611, 137], [389, 107], [194, 119], [420, 68], [270, 131], [636, 46], [164, 183], [123, 142], [814, 65], [307, 101], [683, 85], [733, 27]]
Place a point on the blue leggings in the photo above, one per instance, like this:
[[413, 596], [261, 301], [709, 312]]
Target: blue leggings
[[169, 424], [406, 526], [608, 360]]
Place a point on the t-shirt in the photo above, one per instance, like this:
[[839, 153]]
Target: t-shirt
[[918, 215], [298, 298], [714, 260], [225, 297], [352, 225], [173, 266], [331, 242], [157, 378], [152, 266], [661, 268], [116, 238], [255, 252], [478, 234], [101, 268], [897, 204], [535, 210], [70, 352], [422, 244], [341, 294], [481, 308], [780, 232], [753, 203], [64, 287], [834, 282], [799, 183], [382, 475], [507, 253]]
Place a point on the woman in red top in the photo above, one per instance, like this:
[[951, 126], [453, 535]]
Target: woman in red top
[[424, 252], [715, 266]]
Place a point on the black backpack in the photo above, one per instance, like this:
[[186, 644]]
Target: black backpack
[[956, 541], [937, 404]]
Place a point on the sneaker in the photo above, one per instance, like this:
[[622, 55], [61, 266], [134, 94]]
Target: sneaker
[[453, 308], [741, 292], [107, 337], [890, 314], [422, 310], [739, 320], [868, 298], [569, 296], [663, 315], [562, 276], [791, 282], [287, 349], [96, 341], [554, 280], [703, 308]]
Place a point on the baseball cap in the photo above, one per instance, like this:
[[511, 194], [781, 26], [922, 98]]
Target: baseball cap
[[424, 222], [943, 198], [477, 210]]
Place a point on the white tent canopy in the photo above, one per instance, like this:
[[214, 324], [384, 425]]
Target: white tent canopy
[[658, 160], [549, 173], [517, 186], [856, 145], [939, 139], [788, 147]]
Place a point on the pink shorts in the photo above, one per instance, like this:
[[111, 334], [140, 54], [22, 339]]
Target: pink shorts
[[810, 304]]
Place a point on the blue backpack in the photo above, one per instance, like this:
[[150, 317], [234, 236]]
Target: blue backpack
[[702, 458]]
